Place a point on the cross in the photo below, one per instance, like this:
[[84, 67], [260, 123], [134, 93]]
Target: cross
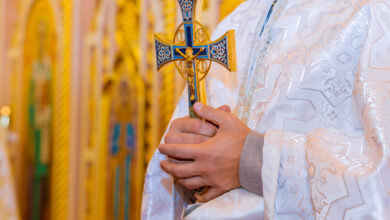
[[192, 52]]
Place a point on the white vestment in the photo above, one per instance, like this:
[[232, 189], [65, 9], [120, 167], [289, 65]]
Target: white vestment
[[316, 82], [8, 201]]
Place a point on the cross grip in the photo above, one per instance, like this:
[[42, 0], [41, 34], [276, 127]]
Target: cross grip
[[222, 51]]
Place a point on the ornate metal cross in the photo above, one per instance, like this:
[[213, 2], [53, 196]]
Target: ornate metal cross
[[192, 52]]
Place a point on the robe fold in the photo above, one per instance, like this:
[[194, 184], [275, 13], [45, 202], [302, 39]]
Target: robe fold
[[316, 81]]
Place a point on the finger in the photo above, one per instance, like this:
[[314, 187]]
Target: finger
[[185, 138], [211, 114], [225, 108], [195, 126], [179, 170], [180, 151], [211, 193], [192, 183]]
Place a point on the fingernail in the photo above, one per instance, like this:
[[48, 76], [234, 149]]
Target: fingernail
[[198, 106]]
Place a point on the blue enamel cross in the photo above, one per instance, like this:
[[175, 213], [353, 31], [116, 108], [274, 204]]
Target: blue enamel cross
[[192, 52]]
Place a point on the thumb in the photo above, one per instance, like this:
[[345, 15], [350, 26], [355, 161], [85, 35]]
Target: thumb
[[211, 114], [225, 108]]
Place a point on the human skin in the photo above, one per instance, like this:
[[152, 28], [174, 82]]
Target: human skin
[[211, 150]]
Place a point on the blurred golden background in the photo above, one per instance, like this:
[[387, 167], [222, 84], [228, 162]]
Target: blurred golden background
[[82, 107]]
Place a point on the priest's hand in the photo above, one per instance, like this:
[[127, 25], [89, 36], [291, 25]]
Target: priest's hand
[[191, 131], [212, 151]]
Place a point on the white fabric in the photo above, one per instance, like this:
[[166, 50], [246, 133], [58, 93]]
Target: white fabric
[[8, 202], [317, 84], [246, 205]]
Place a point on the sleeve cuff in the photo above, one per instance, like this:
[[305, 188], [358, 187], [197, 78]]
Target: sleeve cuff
[[251, 162]]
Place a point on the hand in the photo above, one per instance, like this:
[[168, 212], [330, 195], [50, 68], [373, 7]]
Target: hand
[[213, 163], [191, 131]]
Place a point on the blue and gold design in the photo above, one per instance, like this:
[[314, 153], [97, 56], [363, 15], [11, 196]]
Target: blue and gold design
[[187, 9], [164, 53], [192, 52], [219, 52]]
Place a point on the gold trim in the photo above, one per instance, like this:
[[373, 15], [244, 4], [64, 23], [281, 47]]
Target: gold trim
[[232, 50]]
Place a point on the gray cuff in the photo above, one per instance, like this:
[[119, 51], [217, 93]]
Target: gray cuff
[[251, 162]]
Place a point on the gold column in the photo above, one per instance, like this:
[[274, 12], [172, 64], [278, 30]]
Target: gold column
[[127, 65], [96, 96], [60, 194], [152, 111], [2, 51], [167, 97]]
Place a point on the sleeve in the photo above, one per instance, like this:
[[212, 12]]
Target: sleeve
[[331, 174], [251, 163], [159, 198]]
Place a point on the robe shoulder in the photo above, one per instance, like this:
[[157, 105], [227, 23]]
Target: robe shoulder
[[236, 18]]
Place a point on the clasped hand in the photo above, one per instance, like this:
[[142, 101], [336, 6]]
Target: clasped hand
[[211, 150]]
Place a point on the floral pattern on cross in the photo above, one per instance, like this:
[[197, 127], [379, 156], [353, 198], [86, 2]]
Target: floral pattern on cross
[[186, 7], [163, 53], [219, 52]]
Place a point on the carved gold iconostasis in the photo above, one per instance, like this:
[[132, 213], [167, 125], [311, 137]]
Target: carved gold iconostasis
[[88, 105]]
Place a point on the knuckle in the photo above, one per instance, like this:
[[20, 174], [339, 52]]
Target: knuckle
[[211, 172], [174, 123], [162, 164], [175, 172], [165, 166], [204, 156], [179, 172], [169, 138], [161, 148], [228, 120], [177, 123], [233, 119], [207, 154]]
